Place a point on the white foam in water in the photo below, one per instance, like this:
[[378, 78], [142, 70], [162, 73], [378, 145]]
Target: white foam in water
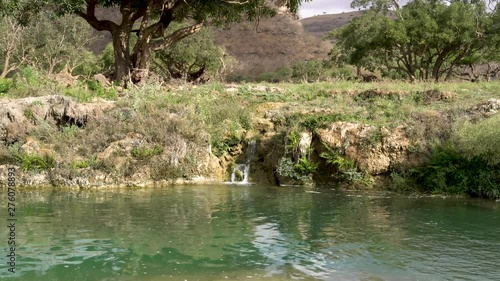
[[244, 169]]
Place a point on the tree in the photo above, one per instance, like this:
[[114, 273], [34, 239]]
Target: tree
[[55, 43], [11, 46], [195, 58], [150, 20], [427, 39]]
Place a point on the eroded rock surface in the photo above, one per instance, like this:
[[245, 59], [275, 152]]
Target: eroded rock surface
[[374, 150], [20, 117]]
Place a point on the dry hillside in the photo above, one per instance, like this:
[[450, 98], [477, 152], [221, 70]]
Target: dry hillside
[[322, 24], [272, 43]]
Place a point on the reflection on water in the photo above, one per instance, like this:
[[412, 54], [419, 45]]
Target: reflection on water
[[252, 233]]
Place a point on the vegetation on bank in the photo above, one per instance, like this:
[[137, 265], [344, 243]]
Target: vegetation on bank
[[467, 163], [167, 126], [463, 158]]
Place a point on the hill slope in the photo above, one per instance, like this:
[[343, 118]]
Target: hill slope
[[322, 24], [272, 43]]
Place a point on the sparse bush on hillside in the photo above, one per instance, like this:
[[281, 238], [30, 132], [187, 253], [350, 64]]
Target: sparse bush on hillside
[[307, 71], [5, 85], [56, 43]]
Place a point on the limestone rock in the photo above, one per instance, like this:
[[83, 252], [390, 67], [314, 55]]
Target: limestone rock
[[375, 151], [262, 125], [102, 80], [21, 116], [122, 147]]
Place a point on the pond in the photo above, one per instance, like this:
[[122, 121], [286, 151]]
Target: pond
[[250, 233]]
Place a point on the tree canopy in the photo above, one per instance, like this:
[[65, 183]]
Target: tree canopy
[[424, 39]]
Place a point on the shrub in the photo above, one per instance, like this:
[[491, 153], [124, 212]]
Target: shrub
[[481, 140], [346, 169], [30, 162], [82, 164], [146, 152], [5, 85], [89, 90], [450, 172]]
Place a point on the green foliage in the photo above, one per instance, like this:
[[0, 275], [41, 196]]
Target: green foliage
[[53, 43], [427, 40], [314, 121], [29, 162], [70, 132], [481, 140], [345, 168], [307, 71], [296, 164], [301, 171], [28, 113], [83, 164], [85, 92], [219, 146], [191, 58], [143, 152], [107, 58], [154, 34], [450, 172], [305, 167], [5, 85], [282, 74], [293, 140]]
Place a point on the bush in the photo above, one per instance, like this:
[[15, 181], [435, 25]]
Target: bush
[[308, 71], [5, 85], [345, 169], [470, 164], [146, 152], [29, 162], [195, 58], [481, 140], [450, 172], [89, 90]]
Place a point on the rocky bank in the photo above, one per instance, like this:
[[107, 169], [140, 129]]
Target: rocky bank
[[374, 151]]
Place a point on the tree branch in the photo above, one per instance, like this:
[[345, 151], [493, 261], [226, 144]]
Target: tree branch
[[90, 17], [176, 36]]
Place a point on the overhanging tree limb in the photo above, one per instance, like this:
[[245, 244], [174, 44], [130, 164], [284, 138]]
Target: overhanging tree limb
[[90, 17], [176, 36]]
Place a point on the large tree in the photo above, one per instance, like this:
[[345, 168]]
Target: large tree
[[425, 39], [150, 21]]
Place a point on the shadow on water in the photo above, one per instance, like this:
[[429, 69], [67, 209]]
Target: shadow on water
[[264, 233]]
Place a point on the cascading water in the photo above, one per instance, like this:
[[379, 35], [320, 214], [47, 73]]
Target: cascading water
[[241, 173]]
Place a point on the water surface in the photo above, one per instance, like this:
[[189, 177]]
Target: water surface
[[251, 233]]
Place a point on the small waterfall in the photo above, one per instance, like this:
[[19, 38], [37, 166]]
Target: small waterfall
[[241, 173]]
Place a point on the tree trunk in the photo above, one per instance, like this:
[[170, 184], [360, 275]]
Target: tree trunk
[[123, 64], [6, 68], [141, 61]]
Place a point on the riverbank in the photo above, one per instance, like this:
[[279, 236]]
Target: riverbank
[[405, 137]]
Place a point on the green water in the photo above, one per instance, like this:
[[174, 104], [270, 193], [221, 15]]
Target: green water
[[251, 233]]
